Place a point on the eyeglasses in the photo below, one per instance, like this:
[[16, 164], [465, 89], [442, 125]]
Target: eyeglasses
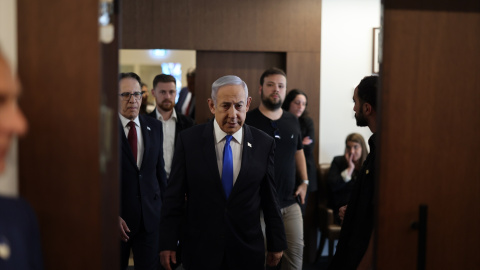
[[276, 132], [136, 95]]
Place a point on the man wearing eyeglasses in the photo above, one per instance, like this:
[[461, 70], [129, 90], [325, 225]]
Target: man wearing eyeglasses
[[289, 158], [165, 90], [142, 177]]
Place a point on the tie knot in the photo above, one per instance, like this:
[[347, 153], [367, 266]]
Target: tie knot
[[228, 139], [131, 124]]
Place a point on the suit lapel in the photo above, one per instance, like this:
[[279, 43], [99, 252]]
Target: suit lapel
[[210, 154], [247, 155], [127, 151]]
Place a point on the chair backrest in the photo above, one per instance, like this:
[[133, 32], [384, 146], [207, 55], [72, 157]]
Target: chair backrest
[[322, 172]]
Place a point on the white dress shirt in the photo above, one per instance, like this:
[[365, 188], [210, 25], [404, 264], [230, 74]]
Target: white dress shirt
[[126, 128], [236, 145], [169, 127]]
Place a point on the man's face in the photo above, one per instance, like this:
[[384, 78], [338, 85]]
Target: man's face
[[165, 94], [12, 121], [129, 108], [358, 108], [231, 108], [273, 91]]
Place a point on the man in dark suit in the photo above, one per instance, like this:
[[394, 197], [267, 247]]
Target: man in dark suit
[[224, 169], [186, 98], [143, 178], [20, 247], [164, 90]]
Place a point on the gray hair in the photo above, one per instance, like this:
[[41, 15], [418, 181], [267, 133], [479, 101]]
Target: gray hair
[[227, 80]]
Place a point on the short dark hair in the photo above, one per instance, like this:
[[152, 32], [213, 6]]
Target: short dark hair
[[130, 75], [164, 78], [291, 96], [271, 71], [367, 90]]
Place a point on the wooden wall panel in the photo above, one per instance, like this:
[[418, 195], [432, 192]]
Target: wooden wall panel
[[248, 25], [303, 72], [62, 73], [429, 137], [249, 66]]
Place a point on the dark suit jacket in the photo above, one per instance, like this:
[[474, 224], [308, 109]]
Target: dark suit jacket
[[19, 231], [183, 122], [219, 230], [181, 99], [142, 189]]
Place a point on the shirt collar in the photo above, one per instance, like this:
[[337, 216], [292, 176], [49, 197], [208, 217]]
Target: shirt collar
[[125, 120], [160, 117], [220, 134]]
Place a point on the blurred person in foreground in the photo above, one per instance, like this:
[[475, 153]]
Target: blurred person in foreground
[[20, 247]]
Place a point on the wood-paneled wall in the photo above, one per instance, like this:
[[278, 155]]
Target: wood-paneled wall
[[69, 98], [430, 127]]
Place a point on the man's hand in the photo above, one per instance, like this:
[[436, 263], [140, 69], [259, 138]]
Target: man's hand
[[273, 258], [341, 212], [123, 229], [301, 191], [307, 140], [166, 256]]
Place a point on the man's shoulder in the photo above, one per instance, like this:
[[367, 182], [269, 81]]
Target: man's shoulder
[[153, 113], [258, 134], [184, 120], [150, 121], [288, 116]]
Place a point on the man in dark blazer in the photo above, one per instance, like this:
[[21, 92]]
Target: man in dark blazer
[[143, 178], [222, 178], [186, 98], [165, 90]]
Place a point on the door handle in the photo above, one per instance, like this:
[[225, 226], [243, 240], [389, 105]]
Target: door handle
[[421, 226]]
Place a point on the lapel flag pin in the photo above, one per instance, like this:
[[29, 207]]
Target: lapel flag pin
[[249, 144]]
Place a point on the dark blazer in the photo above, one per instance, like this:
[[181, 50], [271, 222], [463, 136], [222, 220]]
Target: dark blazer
[[19, 232], [142, 189], [181, 99], [218, 230], [183, 122]]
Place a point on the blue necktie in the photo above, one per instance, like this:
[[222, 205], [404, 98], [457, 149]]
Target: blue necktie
[[227, 170]]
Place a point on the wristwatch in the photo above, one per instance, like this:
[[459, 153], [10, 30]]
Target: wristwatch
[[306, 182]]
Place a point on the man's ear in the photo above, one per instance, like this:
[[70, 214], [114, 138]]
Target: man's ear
[[260, 90], [249, 100], [211, 106], [367, 108], [153, 91]]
